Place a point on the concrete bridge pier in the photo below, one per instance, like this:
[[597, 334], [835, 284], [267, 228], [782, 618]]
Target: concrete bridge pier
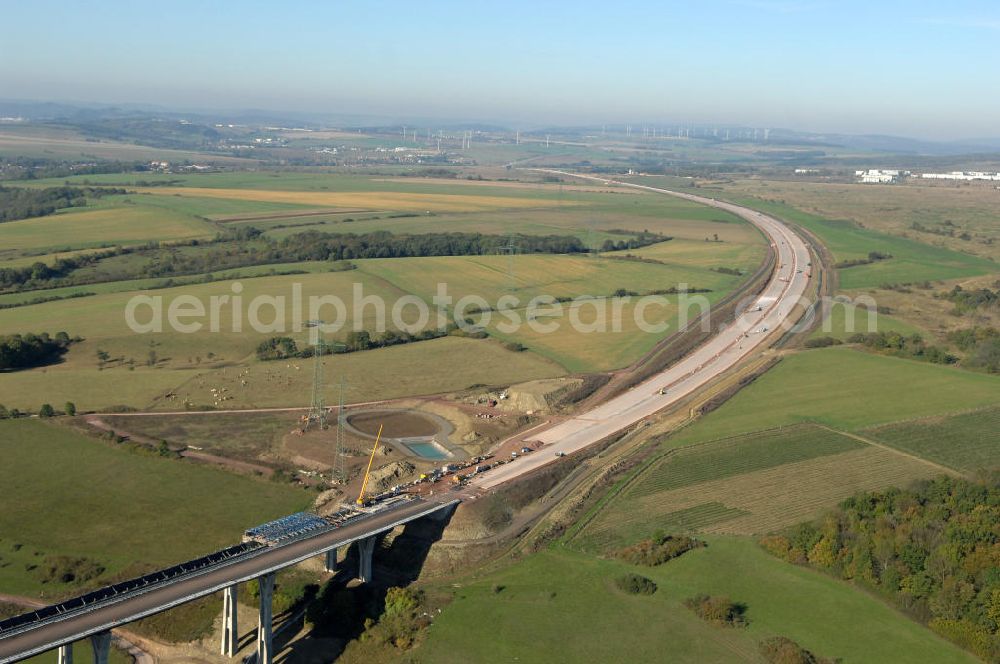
[[264, 627], [366, 547], [65, 654], [101, 644], [330, 561], [230, 632]]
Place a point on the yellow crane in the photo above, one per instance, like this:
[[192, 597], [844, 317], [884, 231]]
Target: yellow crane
[[364, 484]]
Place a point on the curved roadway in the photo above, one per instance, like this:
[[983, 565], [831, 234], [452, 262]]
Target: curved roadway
[[752, 329]]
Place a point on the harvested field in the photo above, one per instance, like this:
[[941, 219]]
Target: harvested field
[[385, 200]]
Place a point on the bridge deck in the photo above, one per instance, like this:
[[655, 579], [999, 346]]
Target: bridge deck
[[65, 629]]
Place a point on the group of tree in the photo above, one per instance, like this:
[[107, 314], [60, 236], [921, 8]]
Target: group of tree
[[900, 345], [36, 168], [38, 274], [637, 240], [873, 257], [658, 549], [25, 351], [947, 229], [46, 410], [981, 345], [23, 203], [970, 300], [933, 550], [281, 348], [782, 650], [634, 584], [719, 610]]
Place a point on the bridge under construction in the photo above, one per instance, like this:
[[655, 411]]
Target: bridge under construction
[[265, 550]]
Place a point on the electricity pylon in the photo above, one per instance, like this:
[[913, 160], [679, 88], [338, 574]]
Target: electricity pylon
[[510, 250], [317, 409], [339, 464]]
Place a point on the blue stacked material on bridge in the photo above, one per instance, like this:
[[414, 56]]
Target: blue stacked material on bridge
[[286, 527], [125, 587]]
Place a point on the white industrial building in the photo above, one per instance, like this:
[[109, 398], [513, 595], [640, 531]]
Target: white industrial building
[[881, 176], [962, 175]]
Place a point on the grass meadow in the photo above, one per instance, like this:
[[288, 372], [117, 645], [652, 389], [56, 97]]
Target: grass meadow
[[750, 484], [561, 605], [69, 495], [845, 389]]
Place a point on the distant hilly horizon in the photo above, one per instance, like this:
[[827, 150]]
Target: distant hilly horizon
[[54, 111]]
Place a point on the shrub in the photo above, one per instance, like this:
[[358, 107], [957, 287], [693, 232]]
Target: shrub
[[70, 408], [633, 584], [719, 610], [46, 410], [67, 569], [782, 650], [657, 550], [822, 342]]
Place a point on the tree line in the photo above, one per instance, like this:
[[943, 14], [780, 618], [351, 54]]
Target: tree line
[[933, 550], [282, 348], [246, 246], [900, 345]]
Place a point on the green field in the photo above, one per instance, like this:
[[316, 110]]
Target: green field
[[103, 225], [946, 208], [846, 319], [561, 606], [69, 495], [754, 483], [741, 454], [181, 357], [911, 261], [846, 389], [968, 442]]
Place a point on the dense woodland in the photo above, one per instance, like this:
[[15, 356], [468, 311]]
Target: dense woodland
[[19, 203], [36, 168], [31, 350], [933, 550]]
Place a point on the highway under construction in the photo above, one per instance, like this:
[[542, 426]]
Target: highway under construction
[[289, 541]]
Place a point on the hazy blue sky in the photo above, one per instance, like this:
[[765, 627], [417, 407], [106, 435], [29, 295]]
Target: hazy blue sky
[[914, 68]]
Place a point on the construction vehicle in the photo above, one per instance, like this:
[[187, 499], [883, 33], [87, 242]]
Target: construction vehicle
[[368, 471]]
